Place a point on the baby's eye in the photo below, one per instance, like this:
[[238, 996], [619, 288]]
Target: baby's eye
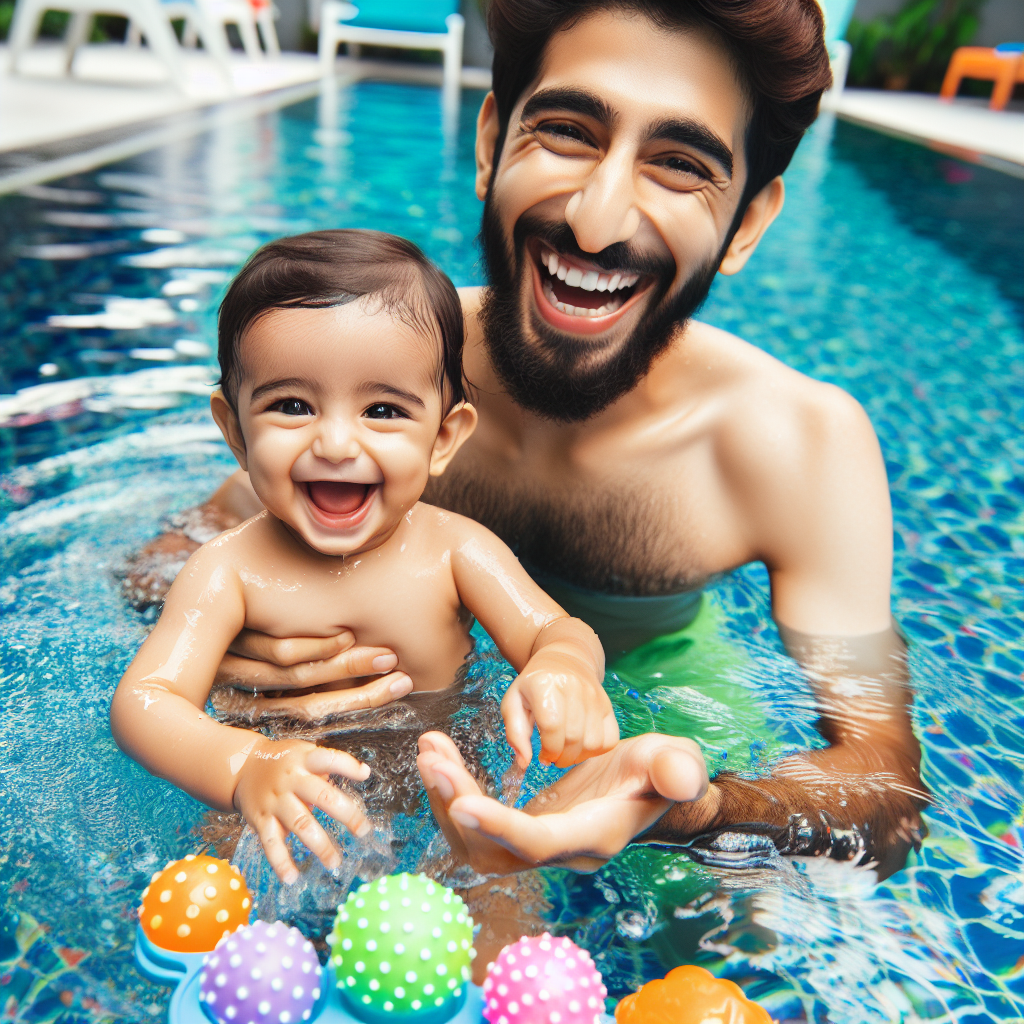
[[292, 407], [382, 411]]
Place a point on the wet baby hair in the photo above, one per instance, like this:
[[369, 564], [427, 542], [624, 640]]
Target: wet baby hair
[[321, 269]]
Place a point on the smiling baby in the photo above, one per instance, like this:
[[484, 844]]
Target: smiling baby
[[341, 394]]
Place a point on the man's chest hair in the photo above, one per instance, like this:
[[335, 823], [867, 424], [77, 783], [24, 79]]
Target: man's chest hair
[[615, 541]]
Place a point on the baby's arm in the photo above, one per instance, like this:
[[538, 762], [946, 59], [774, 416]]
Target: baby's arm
[[559, 659], [157, 718]]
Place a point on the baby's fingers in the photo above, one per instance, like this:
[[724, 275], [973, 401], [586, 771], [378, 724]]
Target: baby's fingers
[[325, 761], [518, 726], [601, 736], [317, 792], [297, 817], [272, 838]]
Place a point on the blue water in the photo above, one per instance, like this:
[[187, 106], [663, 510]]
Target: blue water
[[894, 272]]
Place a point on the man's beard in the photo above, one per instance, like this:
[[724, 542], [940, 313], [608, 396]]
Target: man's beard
[[562, 377]]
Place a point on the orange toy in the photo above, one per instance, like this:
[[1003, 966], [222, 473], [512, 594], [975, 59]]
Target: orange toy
[[190, 905], [690, 995], [1005, 67]]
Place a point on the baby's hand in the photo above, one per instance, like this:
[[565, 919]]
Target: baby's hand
[[277, 787], [561, 694]]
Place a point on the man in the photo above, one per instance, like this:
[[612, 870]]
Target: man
[[628, 152]]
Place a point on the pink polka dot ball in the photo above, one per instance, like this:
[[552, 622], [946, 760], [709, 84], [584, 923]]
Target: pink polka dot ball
[[262, 974], [543, 981]]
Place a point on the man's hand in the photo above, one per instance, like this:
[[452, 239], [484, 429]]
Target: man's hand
[[586, 818], [561, 695], [278, 785]]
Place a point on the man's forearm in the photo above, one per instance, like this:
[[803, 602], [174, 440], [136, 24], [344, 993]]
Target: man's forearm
[[850, 804]]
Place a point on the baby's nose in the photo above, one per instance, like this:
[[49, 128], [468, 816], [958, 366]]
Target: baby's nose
[[335, 443]]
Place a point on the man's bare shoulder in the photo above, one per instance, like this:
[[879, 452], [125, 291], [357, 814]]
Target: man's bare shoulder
[[759, 397], [471, 299], [773, 426]]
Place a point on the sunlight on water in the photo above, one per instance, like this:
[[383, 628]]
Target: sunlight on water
[[866, 281]]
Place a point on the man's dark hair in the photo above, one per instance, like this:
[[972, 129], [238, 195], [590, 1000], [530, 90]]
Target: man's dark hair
[[330, 268], [778, 47]]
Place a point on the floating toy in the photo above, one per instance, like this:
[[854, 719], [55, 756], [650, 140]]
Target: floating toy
[[193, 903], [401, 949], [401, 953], [543, 981], [263, 972], [689, 995]]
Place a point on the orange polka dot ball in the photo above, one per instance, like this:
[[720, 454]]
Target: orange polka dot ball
[[193, 903], [690, 995]]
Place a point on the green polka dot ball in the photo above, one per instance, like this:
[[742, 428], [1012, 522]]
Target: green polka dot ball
[[401, 949]]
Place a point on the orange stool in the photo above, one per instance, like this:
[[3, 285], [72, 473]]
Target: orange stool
[[1005, 67]]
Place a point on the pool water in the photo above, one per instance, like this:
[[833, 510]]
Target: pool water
[[895, 272]]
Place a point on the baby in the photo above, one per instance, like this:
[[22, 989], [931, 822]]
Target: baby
[[341, 394]]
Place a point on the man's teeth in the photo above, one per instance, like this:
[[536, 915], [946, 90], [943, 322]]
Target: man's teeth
[[609, 307], [590, 280]]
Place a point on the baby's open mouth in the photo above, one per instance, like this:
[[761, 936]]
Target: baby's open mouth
[[338, 497], [578, 290]]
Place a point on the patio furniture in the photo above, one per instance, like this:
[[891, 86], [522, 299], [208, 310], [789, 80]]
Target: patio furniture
[[147, 14], [1003, 65], [207, 21], [837, 19], [410, 24]]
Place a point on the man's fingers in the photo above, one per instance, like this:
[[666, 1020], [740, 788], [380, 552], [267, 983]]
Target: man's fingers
[[518, 726], [287, 651], [315, 706], [582, 838], [272, 838], [325, 761], [679, 774]]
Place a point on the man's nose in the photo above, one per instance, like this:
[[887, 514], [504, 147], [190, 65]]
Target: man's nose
[[335, 442], [604, 210]]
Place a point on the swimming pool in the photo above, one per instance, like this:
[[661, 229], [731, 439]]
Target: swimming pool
[[894, 272]]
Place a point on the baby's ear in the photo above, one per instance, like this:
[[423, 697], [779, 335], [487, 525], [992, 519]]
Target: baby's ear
[[227, 420], [456, 429]]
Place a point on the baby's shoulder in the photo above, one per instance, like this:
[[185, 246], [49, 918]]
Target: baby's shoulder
[[237, 546], [432, 521]]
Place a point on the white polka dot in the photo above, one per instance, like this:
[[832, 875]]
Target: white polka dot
[[276, 984], [286, 962], [264, 1007], [211, 868], [241, 992], [221, 980], [256, 974], [180, 876], [230, 1013], [574, 1006], [284, 1017], [410, 976], [385, 967], [298, 992]]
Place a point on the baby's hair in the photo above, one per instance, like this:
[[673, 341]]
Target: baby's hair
[[321, 269]]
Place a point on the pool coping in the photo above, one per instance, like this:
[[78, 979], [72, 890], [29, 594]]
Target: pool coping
[[20, 169]]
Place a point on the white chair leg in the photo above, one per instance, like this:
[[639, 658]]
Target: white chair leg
[[354, 50], [190, 34], [213, 35], [327, 45], [265, 21], [250, 38], [24, 28], [453, 62], [133, 35], [162, 41], [75, 35]]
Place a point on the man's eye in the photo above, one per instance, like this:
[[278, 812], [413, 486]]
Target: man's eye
[[562, 130], [382, 411], [683, 166], [292, 407]]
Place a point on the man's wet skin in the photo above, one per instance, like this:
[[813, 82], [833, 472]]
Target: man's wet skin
[[718, 456]]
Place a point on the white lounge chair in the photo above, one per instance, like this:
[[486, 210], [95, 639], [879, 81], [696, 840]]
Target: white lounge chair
[[147, 14], [410, 24], [202, 16]]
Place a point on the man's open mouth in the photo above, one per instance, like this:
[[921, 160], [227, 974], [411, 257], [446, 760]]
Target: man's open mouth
[[581, 297], [340, 502]]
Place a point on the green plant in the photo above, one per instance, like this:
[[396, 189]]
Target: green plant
[[911, 48], [105, 27]]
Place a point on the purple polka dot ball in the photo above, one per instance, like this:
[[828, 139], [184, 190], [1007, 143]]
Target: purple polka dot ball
[[261, 974]]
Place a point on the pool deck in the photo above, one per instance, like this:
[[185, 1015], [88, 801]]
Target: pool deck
[[965, 128], [120, 102]]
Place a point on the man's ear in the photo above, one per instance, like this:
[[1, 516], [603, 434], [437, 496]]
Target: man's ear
[[455, 431], [486, 140], [763, 209], [227, 420]]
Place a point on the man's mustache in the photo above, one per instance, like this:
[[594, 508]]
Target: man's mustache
[[617, 256]]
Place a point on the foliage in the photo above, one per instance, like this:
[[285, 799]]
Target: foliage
[[105, 27], [911, 48]]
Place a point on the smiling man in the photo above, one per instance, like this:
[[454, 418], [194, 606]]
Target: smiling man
[[630, 454]]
